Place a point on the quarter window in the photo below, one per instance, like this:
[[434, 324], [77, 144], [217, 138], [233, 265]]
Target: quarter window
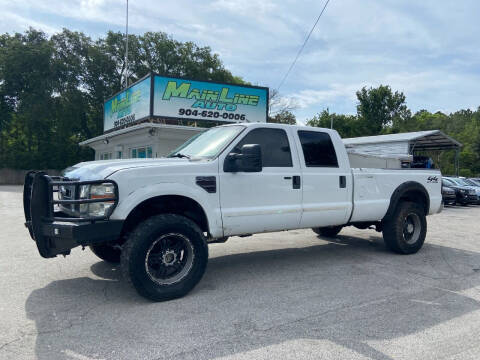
[[318, 149], [274, 144]]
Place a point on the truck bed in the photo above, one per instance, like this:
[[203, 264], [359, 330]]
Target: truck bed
[[373, 189]]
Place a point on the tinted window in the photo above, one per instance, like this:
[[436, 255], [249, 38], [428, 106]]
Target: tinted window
[[318, 149], [274, 144]]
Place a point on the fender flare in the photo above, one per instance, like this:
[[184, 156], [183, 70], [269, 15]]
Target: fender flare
[[132, 200], [400, 191]]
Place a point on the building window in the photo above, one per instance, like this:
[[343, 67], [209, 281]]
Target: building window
[[142, 152], [119, 154], [105, 156]]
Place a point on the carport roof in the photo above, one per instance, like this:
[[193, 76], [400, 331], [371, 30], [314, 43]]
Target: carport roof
[[418, 140]]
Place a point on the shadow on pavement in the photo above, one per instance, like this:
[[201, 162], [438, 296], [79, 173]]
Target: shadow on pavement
[[349, 291]]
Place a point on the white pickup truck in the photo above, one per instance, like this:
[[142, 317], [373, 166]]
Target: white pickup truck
[[157, 216]]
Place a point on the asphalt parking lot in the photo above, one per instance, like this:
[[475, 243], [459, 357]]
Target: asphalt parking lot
[[288, 295]]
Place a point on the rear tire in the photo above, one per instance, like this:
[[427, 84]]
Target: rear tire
[[165, 257], [106, 252], [405, 231], [329, 231]]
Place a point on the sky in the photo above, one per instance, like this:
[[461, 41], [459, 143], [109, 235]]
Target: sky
[[427, 49]]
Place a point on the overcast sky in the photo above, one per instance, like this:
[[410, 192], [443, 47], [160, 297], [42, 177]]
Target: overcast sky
[[428, 49]]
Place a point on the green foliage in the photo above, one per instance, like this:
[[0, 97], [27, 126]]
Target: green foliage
[[52, 89], [346, 125], [283, 117], [380, 111], [380, 108]]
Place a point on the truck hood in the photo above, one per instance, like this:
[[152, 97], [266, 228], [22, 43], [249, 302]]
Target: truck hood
[[97, 170]]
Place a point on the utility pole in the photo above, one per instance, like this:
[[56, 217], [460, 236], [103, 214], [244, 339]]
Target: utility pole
[[126, 51]]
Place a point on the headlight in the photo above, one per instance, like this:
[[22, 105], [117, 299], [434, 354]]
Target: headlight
[[100, 191]]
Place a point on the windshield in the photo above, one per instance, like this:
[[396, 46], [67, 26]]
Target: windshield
[[456, 181], [209, 143]]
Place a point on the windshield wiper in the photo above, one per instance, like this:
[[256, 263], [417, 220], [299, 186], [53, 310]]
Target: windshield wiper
[[181, 156]]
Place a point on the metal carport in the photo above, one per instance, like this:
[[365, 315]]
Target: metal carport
[[404, 144]]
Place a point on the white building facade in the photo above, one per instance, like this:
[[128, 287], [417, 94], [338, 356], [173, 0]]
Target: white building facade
[[146, 140]]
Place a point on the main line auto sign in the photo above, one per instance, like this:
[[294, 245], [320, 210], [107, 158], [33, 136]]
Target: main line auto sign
[[188, 99], [128, 106], [176, 98]]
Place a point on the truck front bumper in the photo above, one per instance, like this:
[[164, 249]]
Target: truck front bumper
[[57, 233], [61, 237]]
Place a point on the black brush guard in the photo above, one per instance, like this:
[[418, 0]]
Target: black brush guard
[[55, 232]]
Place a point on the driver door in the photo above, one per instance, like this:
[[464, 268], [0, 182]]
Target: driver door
[[264, 201]]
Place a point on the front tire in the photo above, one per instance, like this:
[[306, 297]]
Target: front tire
[[106, 252], [405, 231], [329, 231], [165, 257]]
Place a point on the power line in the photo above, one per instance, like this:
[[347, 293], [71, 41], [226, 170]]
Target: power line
[[302, 47]]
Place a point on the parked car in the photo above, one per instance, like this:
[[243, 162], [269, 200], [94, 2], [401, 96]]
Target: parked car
[[465, 194], [448, 195], [157, 216], [473, 184], [475, 180]]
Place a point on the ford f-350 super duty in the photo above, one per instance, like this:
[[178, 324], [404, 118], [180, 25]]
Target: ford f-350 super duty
[[157, 216]]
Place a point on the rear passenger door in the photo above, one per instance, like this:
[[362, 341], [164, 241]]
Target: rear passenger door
[[263, 201], [326, 180]]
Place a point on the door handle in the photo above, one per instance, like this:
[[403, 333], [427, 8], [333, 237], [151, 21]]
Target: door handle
[[296, 182], [343, 181], [287, 177]]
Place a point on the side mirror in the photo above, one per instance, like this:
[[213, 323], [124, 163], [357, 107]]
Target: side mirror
[[249, 159]]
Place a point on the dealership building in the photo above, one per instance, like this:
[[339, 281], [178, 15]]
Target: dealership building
[[156, 114]]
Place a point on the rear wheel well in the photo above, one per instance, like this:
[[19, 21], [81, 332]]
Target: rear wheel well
[[415, 196], [410, 191], [166, 204]]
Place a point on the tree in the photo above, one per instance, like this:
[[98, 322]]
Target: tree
[[157, 52], [283, 117], [52, 89], [346, 125], [278, 103], [381, 110], [27, 85]]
